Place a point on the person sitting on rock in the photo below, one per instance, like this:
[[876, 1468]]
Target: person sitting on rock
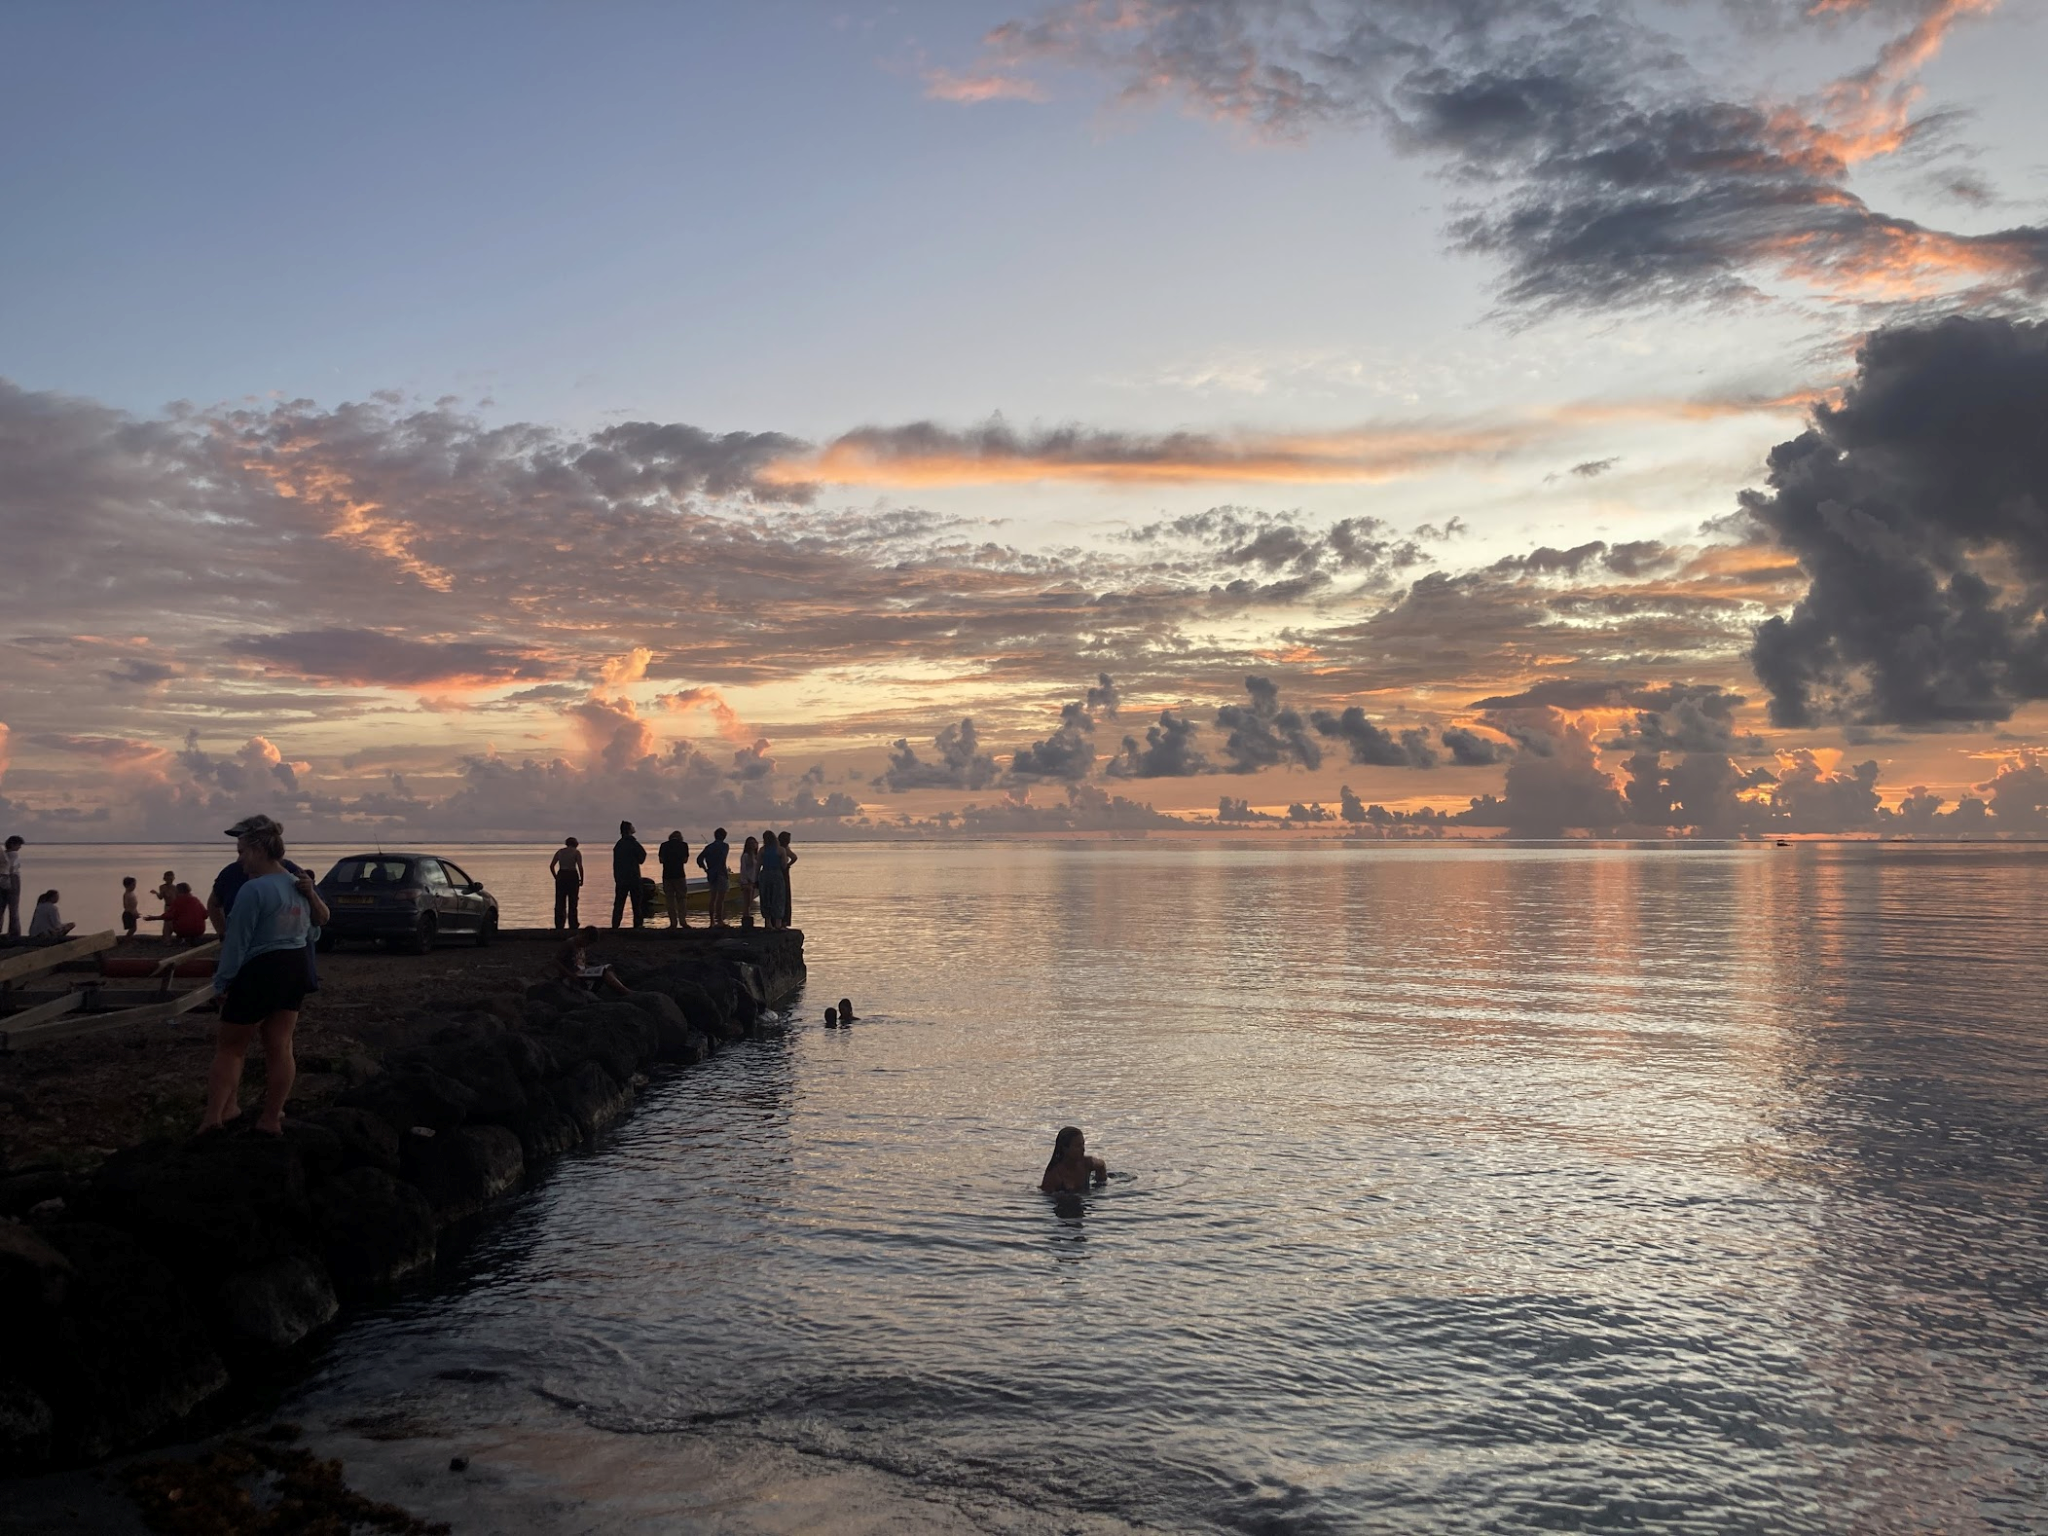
[[1071, 1168], [573, 965]]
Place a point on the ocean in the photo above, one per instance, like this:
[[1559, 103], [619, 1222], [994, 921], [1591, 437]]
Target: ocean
[[1454, 1188]]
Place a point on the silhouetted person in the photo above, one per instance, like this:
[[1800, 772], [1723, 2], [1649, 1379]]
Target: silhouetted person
[[131, 906], [846, 1010], [1071, 1169], [227, 886], [10, 886], [750, 879], [572, 964], [567, 868], [831, 1018], [774, 876], [627, 857], [165, 895], [183, 916], [788, 871], [675, 877], [711, 859], [46, 922]]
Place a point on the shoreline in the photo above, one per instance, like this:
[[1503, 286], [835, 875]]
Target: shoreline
[[162, 1283]]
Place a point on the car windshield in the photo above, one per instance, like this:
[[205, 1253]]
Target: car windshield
[[381, 872]]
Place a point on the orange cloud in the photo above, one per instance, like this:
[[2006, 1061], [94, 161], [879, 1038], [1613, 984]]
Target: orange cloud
[[358, 523], [725, 719], [978, 86]]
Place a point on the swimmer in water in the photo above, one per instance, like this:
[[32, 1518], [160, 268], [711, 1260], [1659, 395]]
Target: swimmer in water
[[831, 1018], [1071, 1167], [845, 1010]]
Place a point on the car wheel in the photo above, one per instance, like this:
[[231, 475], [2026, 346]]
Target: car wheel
[[487, 930], [424, 935]]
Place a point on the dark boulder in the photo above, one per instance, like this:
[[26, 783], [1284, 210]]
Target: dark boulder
[[591, 1097], [543, 1129], [615, 1035], [367, 1140], [209, 1206], [276, 1305], [32, 1274], [479, 1062], [28, 1427], [125, 1357], [462, 1171], [23, 1191], [373, 1230], [321, 1151], [413, 1094]]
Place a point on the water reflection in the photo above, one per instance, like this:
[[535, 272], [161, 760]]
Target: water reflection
[[1457, 1189]]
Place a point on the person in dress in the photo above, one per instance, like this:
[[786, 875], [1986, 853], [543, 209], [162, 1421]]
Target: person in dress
[[772, 878], [788, 866], [260, 979], [750, 879]]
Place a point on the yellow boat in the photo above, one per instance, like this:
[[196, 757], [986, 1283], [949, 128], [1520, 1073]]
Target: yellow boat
[[697, 898]]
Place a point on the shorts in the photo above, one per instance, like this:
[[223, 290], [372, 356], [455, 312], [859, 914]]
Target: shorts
[[273, 982], [128, 922], [719, 881]]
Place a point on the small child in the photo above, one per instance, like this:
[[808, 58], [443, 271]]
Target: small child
[[131, 906], [167, 893]]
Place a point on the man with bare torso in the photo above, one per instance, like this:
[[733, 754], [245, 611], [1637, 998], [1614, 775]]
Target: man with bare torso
[[567, 868]]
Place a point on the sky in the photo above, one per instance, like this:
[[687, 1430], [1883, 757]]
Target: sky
[[1415, 418]]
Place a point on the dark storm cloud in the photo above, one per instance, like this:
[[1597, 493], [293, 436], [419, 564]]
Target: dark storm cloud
[[1068, 753], [1263, 734], [1604, 171], [1103, 695], [369, 657], [1169, 751], [1367, 742], [1918, 510], [1469, 749], [961, 764]]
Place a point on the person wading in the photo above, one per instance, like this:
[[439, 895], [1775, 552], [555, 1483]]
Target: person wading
[[627, 857]]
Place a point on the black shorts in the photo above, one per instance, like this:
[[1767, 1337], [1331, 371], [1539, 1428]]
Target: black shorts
[[273, 982]]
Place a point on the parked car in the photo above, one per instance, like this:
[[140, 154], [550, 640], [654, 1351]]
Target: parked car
[[406, 899]]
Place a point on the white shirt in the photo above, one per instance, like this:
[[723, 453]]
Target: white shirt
[[46, 920]]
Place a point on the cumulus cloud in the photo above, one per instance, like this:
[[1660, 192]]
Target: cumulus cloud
[[1469, 749], [1371, 743], [1262, 733], [960, 764], [1169, 751], [1915, 509]]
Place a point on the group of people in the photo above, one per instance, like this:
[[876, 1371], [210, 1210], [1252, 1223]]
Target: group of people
[[762, 874], [184, 916], [45, 921]]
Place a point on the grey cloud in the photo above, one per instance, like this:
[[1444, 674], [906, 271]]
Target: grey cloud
[[1069, 753], [1372, 744], [140, 673], [1169, 752], [1916, 511], [1469, 749], [1103, 695], [961, 764], [1239, 812], [369, 657], [1262, 733], [636, 459], [1592, 469]]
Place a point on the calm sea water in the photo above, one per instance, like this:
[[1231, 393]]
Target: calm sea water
[[1456, 1189]]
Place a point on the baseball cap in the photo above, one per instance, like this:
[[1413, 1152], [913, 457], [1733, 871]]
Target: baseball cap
[[249, 826]]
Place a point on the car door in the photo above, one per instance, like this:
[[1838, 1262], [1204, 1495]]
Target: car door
[[473, 904], [441, 896]]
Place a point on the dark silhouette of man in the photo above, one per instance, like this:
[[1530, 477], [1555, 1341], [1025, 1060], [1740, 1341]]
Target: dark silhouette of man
[[627, 857], [675, 877]]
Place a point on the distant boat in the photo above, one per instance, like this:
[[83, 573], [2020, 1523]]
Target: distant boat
[[1782, 843]]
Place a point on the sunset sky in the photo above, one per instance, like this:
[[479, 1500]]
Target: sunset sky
[[496, 420]]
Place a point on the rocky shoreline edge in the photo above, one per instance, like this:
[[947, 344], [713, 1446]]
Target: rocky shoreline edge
[[181, 1273]]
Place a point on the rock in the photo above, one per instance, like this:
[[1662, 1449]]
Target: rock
[[27, 1427], [23, 1191], [543, 1130], [591, 1097], [209, 1206], [126, 1356], [367, 1141], [458, 1463], [373, 1230], [32, 1273], [553, 999], [320, 1150], [277, 1305], [464, 1171], [617, 1036], [479, 1063], [413, 1094]]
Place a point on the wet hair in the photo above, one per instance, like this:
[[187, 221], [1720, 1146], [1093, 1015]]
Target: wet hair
[[846, 1006], [831, 1016], [1069, 1134]]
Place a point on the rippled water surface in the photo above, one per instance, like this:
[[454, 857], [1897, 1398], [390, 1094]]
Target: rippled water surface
[[1477, 1188]]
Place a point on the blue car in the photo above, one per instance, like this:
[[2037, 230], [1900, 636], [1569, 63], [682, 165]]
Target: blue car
[[409, 900]]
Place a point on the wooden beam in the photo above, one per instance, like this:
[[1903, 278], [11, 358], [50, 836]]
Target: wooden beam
[[96, 1023], [33, 961], [168, 966], [28, 1018]]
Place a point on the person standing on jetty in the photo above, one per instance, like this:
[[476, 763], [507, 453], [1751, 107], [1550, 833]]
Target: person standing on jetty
[[10, 886], [750, 879], [788, 888], [227, 885], [711, 859], [567, 868], [773, 879], [627, 857], [260, 978], [675, 878]]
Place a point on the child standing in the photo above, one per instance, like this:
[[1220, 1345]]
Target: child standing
[[131, 906]]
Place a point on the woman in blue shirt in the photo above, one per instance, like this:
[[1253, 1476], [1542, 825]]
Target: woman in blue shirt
[[261, 978]]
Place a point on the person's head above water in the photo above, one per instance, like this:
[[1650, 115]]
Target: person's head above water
[[846, 1007], [1069, 1143], [831, 1017]]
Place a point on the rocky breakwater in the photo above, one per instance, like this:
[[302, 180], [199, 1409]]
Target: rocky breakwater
[[145, 1294]]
